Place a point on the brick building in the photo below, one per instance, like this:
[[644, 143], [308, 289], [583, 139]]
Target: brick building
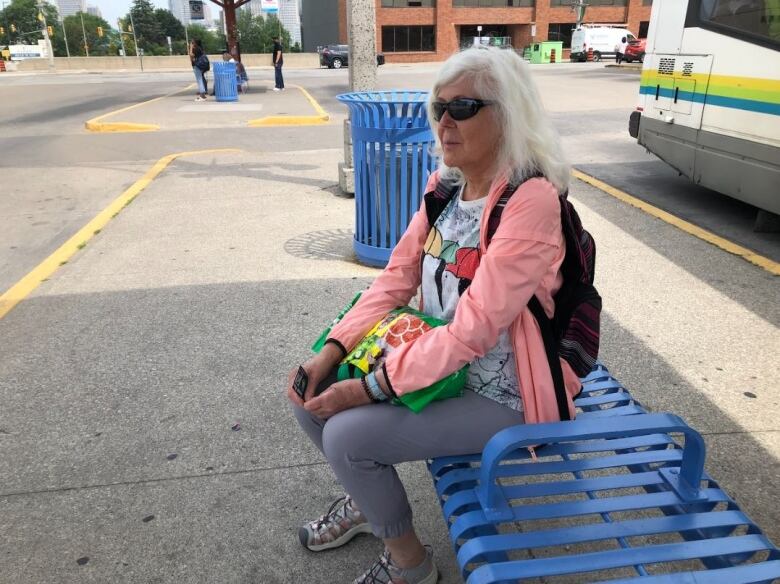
[[431, 30]]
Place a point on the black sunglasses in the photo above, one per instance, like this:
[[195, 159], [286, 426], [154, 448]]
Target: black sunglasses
[[459, 109]]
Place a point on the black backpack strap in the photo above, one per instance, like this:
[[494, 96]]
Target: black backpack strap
[[438, 199], [545, 324], [551, 348]]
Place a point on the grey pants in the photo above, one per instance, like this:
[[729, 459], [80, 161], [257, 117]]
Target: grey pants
[[362, 444]]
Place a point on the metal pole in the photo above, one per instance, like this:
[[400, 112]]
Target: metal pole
[[65, 36], [187, 38], [135, 40], [84, 33], [46, 36], [121, 37], [7, 28]]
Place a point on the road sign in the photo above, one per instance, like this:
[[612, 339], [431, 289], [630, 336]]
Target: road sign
[[196, 10], [270, 6]]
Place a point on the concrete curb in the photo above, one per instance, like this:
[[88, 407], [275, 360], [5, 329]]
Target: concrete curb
[[762, 262], [98, 126], [322, 116]]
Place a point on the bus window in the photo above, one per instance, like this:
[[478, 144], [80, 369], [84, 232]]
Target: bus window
[[756, 17]]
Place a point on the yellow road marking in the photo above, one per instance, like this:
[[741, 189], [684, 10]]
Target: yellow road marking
[[322, 116], [47, 267], [96, 125], [763, 262]]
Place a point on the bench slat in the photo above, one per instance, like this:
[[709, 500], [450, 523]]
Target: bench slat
[[625, 447], [621, 558], [474, 548]]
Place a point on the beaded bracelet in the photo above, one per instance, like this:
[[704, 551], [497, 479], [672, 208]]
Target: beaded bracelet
[[373, 385], [367, 390]]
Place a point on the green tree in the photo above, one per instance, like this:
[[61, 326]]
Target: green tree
[[148, 30], [23, 15], [250, 31], [256, 33], [170, 25], [213, 43], [272, 27], [98, 46]]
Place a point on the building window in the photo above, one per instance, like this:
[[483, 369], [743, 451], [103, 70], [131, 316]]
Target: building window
[[643, 28], [561, 32], [408, 3], [590, 2], [647, 2], [493, 3], [408, 39], [755, 19]]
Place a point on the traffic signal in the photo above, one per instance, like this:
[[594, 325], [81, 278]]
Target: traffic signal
[[50, 30], [40, 16], [13, 28], [129, 28], [2, 31], [100, 31]]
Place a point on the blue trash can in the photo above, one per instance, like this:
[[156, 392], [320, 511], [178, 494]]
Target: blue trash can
[[225, 86], [392, 146]]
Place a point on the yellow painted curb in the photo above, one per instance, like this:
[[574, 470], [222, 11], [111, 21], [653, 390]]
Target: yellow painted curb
[[762, 262], [96, 125], [322, 116], [61, 255]]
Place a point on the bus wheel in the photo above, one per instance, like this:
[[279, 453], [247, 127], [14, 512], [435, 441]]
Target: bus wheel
[[596, 56]]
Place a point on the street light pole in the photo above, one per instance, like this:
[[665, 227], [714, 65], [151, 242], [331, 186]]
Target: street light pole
[[84, 33], [135, 40], [121, 36], [65, 36], [49, 48]]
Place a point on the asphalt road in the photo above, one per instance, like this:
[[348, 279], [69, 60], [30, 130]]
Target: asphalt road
[[57, 175]]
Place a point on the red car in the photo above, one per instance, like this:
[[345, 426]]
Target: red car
[[635, 51]]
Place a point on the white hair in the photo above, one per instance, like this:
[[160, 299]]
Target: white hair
[[529, 143]]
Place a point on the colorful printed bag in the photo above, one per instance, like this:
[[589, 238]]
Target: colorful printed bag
[[401, 325]]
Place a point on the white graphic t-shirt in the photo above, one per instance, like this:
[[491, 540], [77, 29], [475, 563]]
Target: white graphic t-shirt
[[449, 263]]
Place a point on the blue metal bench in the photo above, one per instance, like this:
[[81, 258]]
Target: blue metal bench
[[613, 494]]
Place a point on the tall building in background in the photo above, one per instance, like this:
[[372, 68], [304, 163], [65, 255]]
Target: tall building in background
[[70, 7], [181, 10], [289, 14], [188, 14], [94, 11]]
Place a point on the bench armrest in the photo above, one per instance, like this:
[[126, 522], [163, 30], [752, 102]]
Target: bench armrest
[[684, 480]]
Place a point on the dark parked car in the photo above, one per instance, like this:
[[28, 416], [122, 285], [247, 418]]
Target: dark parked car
[[337, 56], [635, 51]]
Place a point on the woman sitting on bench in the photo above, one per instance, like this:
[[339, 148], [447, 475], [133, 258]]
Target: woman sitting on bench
[[492, 131]]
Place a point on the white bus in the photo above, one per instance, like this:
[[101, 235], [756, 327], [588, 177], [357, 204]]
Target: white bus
[[709, 99]]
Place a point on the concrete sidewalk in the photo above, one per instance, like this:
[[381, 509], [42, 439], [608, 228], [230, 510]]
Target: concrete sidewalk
[[261, 106], [124, 375]]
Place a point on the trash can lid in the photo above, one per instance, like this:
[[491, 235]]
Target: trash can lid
[[399, 97]]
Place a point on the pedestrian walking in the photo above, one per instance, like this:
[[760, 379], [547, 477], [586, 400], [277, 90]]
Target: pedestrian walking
[[620, 50], [200, 64], [278, 59]]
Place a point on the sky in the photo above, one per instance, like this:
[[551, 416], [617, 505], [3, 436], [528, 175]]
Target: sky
[[113, 9]]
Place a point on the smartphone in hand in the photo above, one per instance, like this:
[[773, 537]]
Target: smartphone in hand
[[301, 382]]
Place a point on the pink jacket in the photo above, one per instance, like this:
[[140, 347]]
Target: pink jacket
[[524, 258]]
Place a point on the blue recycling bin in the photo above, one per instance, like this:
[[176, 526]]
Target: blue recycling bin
[[225, 85], [392, 145]]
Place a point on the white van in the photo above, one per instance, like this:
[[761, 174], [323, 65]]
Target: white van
[[602, 39]]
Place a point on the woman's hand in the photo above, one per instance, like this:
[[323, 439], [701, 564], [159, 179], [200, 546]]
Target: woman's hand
[[317, 368], [338, 397]]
